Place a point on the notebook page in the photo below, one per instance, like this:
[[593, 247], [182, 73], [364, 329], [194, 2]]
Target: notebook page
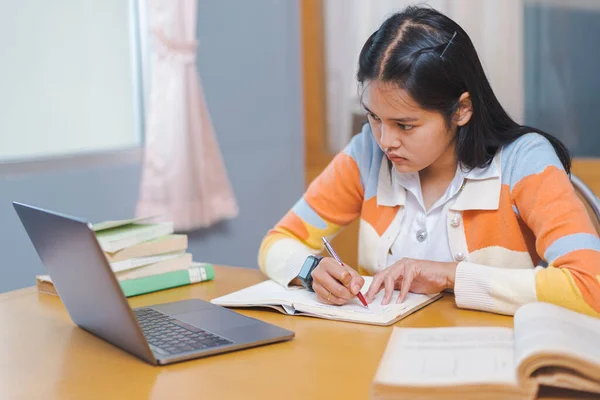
[[270, 292], [543, 327], [448, 356], [355, 311], [264, 293], [305, 297]]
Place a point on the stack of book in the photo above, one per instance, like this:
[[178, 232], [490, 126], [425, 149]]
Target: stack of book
[[145, 257]]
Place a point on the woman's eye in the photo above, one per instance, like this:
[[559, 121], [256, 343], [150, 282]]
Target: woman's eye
[[406, 127], [375, 117]]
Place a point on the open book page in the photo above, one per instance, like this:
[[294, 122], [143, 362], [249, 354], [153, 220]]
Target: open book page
[[566, 379], [355, 311], [264, 293], [544, 328], [448, 357], [300, 299]]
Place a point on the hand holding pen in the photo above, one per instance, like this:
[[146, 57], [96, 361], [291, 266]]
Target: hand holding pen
[[334, 282]]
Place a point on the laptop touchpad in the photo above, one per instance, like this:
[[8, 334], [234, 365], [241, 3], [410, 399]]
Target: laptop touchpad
[[215, 319]]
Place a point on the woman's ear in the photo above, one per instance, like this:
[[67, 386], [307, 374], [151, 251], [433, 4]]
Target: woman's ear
[[465, 110]]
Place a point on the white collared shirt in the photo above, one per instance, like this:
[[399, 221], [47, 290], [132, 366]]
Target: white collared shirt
[[423, 234]]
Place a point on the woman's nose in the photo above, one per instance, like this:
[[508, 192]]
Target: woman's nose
[[387, 139]]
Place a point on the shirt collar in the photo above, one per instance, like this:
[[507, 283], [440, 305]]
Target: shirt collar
[[481, 190]]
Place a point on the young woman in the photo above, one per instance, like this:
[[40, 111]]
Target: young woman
[[450, 191]]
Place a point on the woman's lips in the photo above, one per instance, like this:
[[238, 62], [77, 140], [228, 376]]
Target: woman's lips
[[396, 159]]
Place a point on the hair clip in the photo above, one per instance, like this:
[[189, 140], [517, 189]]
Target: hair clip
[[448, 45]]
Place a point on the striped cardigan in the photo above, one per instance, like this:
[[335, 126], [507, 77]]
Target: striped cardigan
[[522, 235]]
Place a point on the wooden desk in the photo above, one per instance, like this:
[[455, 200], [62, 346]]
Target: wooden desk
[[43, 355]]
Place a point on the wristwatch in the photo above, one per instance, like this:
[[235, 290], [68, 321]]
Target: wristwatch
[[305, 274]]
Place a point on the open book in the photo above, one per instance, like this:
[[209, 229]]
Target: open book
[[299, 301], [549, 346]]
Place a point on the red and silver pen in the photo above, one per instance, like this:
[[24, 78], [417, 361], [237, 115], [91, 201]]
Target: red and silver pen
[[335, 256]]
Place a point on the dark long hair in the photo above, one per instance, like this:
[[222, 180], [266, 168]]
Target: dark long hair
[[407, 51]]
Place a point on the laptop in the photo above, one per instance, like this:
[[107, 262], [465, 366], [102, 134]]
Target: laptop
[[159, 334]]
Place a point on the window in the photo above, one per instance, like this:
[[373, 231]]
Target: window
[[69, 78], [561, 71]]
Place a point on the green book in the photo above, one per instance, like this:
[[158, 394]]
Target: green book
[[198, 272]]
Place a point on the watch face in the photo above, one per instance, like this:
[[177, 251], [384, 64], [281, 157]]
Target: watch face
[[305, 274], [306, 269]]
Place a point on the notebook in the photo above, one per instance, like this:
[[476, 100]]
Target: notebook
[[549, 346], [299, 301]]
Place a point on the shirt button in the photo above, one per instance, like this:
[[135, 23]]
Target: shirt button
[[455, 221], [421, 235], [459, 256]]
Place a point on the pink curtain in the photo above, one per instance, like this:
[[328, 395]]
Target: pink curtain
[[183, 178]]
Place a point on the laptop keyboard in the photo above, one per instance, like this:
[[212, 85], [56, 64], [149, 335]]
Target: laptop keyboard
[[172, 336]]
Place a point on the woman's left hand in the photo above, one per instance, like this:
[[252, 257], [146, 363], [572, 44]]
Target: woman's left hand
[[417, 276]]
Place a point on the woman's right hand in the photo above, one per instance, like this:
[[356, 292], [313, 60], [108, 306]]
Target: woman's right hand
[[334, 283]]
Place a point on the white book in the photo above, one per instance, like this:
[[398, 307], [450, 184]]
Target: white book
[[121, 237], [101, 226], [180, 262], [549, 346], [162, 245], [142, 261], [299, 301]]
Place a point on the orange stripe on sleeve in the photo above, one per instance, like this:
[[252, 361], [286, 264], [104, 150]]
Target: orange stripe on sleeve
[[293, 224], [584, 268], [337, 194], [551, 214]]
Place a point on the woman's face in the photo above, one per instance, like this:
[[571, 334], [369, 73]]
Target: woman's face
[[411, 137]]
